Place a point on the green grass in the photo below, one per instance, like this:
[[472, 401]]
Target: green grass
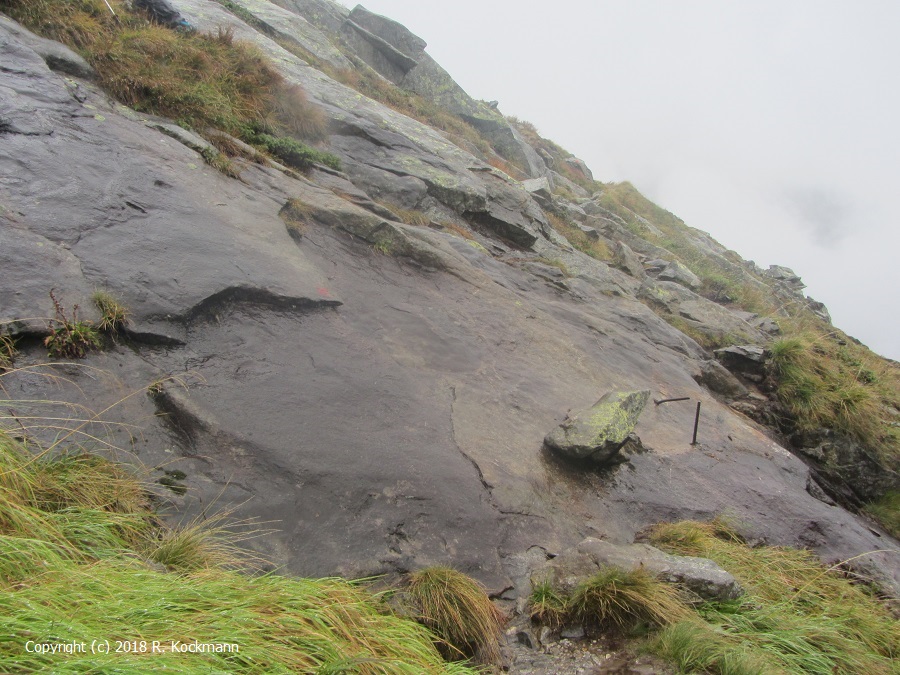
[[887, 512], [797, 616], [620, 600], [290, 151], [79, 542], [840, 386], [113, 314], [457, 609], [70, 338]]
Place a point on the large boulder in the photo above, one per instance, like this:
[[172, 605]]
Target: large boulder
[[680, 274], [699, 575], [597, 433], [746, 360], [626, 260], [717, 378]]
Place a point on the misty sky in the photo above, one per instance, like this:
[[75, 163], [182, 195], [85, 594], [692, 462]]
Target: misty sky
[[773, 125]]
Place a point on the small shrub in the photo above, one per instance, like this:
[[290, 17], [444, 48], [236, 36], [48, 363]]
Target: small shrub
[[456, 608], [113, 314], [220, 162], [290, 151], [621, 599], [70, 338]]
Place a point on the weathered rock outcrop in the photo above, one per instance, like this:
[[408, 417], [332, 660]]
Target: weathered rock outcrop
[[386, 411], [399, 55], [701, 576]]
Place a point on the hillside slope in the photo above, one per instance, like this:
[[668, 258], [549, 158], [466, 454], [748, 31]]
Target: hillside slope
[[381, 390]]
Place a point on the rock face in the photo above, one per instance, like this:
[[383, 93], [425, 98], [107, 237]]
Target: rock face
[[379, 390], [700, 575], [597, 433], [399, 55]]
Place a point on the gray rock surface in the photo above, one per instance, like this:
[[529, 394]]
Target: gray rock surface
[[626, 260], [597, 433], [680, 274], [58, 57], [705, 315], [703, 577], [717, 378], [293, 28], [386, 411], [746, 360]]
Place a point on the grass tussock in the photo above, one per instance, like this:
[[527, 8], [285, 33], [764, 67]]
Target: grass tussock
[[614, 599], [797, 617], [622, 599], [80, 550], [548, 606], [457, 609], [113, 314], [7, 352]]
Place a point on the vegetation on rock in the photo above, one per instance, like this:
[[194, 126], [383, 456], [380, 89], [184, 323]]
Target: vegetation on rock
[[113, 314], [199, 79], [69, 338], [797, 616], [290, 151], [595, 248], [457, 609], [887, 511], [826, 380], [79, 532]]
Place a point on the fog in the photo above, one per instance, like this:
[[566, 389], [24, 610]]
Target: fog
[[771, 125]]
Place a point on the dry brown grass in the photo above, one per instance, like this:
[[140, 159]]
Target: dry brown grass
[[456, 608]]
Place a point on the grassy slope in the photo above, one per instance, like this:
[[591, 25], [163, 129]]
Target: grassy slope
[[201, 80], [796, 617], [83, 558]]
